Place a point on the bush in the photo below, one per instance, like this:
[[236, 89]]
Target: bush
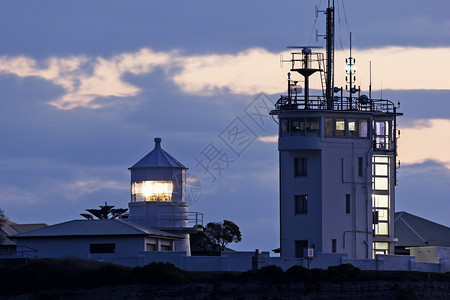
[[159, 273], [298, 272], [345, 272]]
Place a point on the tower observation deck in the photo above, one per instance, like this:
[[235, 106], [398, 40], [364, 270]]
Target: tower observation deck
[[337, 162]]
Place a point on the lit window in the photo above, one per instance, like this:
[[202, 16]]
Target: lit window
[[340, 127], [380, 248], [352, 128], [152, 191], [381, 228], [301, 204], [381, 170], [380, 201], [381, 183]]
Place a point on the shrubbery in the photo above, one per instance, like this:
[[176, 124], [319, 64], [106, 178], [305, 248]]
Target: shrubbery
[[71, 273], [159, 273]]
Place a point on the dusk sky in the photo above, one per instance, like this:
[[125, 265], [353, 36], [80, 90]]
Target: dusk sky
[[86, 86]]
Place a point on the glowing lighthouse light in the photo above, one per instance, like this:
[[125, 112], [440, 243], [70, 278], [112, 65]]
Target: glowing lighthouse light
[[152, 191]]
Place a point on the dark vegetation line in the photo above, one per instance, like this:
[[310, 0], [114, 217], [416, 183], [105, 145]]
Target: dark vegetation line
[[73, 273]]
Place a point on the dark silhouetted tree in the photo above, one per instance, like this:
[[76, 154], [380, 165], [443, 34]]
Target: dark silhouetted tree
[[104, 212], [215, 236]]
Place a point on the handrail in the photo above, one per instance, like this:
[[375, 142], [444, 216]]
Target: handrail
[[339, 104], [26, 252]]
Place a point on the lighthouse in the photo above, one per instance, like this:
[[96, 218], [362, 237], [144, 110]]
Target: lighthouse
[[158, 196], [337, 161]]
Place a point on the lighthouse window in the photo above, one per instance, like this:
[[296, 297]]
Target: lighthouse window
[[301, 204], [152, 191], [340, 127]]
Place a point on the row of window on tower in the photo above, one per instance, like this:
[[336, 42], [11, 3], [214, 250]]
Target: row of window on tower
[[301, 167], [301, 204], [340, 128]]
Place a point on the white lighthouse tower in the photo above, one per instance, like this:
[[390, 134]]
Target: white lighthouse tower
[[158, 196], [337, 162]]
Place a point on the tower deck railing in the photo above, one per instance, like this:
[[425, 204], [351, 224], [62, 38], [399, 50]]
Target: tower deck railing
[[180, 220], [339, 104]]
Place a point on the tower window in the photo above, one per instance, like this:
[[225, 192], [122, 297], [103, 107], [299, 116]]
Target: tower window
[[298, 126], [333, 246], [300, 166], [351, 128], [363, 128], [347, 203], [340, 127], [300, 248], [360, 166], [284, 127], [329, 129], [312, 126], [301, 204]]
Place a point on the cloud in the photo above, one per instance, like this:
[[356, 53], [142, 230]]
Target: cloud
[[426, 140], [85, 80], [269, 139], [248, 72]]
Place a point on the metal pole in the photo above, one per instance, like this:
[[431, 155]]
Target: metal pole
[[330, 55]]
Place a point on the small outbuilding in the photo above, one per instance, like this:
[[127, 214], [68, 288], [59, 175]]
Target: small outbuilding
[[95, 238]]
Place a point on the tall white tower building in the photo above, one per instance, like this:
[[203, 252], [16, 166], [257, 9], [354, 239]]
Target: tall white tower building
[[337, 162], [158, 196]]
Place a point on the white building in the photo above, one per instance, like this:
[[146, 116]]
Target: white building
[[158, 196], [91, 239], [337, 163]]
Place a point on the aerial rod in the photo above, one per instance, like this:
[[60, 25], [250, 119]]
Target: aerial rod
[[370, 79], [330, 54]]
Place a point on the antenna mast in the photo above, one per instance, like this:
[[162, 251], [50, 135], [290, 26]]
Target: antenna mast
[[330, 54]]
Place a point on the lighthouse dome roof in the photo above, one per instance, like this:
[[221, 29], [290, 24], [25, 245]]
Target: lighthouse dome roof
[[158, 158]]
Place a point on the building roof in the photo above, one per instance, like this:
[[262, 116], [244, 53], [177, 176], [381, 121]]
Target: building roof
[[158, 158], [112, 227], [10, 228], [412, 231]]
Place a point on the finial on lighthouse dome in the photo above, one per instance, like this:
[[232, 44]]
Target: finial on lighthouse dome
[[158, 142]]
